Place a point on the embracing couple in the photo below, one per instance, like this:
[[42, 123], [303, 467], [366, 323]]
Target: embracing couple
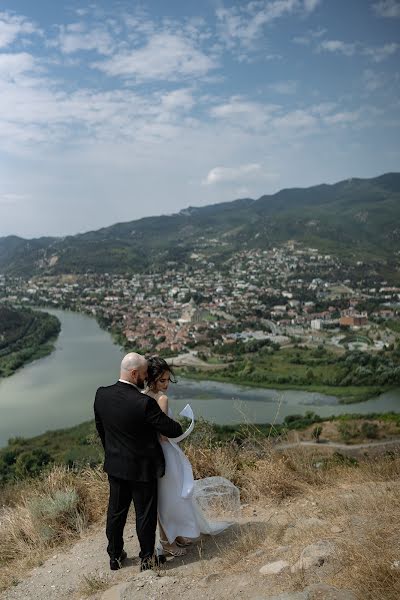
[[143, 465]]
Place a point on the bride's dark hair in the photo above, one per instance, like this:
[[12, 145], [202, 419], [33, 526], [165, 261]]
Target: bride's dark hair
[[156, 366]]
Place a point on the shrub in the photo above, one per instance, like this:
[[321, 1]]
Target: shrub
[[369, 430], [31, 462], [348, 431], [54, 515]]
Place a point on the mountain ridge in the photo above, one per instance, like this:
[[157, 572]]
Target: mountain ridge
[[354, 216]]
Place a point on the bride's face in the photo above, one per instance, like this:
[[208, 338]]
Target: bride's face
[[162, 382]]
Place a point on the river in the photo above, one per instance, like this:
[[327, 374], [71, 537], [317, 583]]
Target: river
[[58, 391]]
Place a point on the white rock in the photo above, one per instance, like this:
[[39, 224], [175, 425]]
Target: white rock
[[274, 568], [313, 555]]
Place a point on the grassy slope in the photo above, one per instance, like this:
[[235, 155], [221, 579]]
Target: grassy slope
[[282, 370], [25, 335]]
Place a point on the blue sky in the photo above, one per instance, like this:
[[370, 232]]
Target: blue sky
[[115, 110]]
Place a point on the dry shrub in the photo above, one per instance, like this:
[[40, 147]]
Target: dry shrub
[[93, 490], [224, 461], [372, 567], [244, 541], [371, 554], [270, 478], [11, 494], [93, 584], [51, 509], [312, 467], [47, 513], [366, 503], [380, 468]]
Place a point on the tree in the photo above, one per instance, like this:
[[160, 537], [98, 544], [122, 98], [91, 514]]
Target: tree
[[316, 433], [31, 462], [369, 430]]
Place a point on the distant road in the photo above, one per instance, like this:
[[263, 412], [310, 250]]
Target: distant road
[[192, 360], [394, 442]]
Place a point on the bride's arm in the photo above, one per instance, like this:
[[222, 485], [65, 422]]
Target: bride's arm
[[163, 404]]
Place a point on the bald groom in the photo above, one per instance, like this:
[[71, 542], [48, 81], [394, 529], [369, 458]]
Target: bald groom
[[129, 423]]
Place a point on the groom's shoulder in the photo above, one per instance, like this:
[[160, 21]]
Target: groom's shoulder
[[104, 390]]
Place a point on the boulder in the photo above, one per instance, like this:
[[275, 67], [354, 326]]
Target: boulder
[[273, 568], [314, 555]]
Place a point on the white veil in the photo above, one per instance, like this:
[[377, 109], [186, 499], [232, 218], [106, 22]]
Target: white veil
[[216, 500]]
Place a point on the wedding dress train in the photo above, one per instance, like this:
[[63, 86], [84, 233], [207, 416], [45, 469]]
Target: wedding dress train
[[187, 507]]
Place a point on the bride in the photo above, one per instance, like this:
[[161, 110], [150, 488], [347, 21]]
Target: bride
[[179, 522]]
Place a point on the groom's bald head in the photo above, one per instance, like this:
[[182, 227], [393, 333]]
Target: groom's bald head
[[134, 369]]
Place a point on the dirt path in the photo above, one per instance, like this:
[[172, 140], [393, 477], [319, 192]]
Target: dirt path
[[388, 443], [62, 577], [223, 568]]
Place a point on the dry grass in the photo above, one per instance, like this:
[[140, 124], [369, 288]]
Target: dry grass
[[364, 500], [93, 584], [367, 502], [270, 478], [45, 512], [372, 566]]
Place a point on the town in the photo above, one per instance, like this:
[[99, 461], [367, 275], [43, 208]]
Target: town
[[284, 295]]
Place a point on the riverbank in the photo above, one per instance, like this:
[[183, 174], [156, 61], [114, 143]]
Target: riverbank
[[345, 395], [62, 387], [25, 335], [80, 446], [350, 376]]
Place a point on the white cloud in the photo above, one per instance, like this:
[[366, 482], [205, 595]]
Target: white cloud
[[381, 53], [242, 26], [230, 174], [311, 5], [342, 118], [13, 65], [310, 36], [165, 57], [178, 99], [284, 87], [76, 36], [337, 46], [372, 80], [14, 26], [387, 8], [296, 120], [12, 198], [266, 119], [244, 113]]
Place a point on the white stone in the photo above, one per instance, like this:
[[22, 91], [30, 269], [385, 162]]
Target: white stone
[[313, 555], [274, 568]]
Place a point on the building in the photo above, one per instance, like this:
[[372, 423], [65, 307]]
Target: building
[[351, 318]]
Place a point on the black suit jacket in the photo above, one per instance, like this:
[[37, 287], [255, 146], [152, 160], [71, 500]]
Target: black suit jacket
[[128, 423]]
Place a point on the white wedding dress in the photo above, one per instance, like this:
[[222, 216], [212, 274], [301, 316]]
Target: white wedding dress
[[183, 503]]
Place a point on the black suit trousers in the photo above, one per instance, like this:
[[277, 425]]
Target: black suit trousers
[[144, 496]]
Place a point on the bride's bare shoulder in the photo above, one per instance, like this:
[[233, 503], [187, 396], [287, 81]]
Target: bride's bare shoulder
[[162, 400]]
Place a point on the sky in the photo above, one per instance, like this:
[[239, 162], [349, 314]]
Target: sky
[[115, 110]]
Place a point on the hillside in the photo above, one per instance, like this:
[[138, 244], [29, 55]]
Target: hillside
[[311, 526], [355, 219], [24, 336]]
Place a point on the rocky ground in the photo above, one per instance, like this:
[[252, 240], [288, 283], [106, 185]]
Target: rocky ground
[[287, 551]]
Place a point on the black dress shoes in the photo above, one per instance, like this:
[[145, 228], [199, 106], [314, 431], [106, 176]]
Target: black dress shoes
[[116, 563], [154, 561]]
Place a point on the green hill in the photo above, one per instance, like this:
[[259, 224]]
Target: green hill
[[24, 336], [355, 219]]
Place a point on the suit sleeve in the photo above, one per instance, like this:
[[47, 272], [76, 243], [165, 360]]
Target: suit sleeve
[[155, 417], [99, 425]]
